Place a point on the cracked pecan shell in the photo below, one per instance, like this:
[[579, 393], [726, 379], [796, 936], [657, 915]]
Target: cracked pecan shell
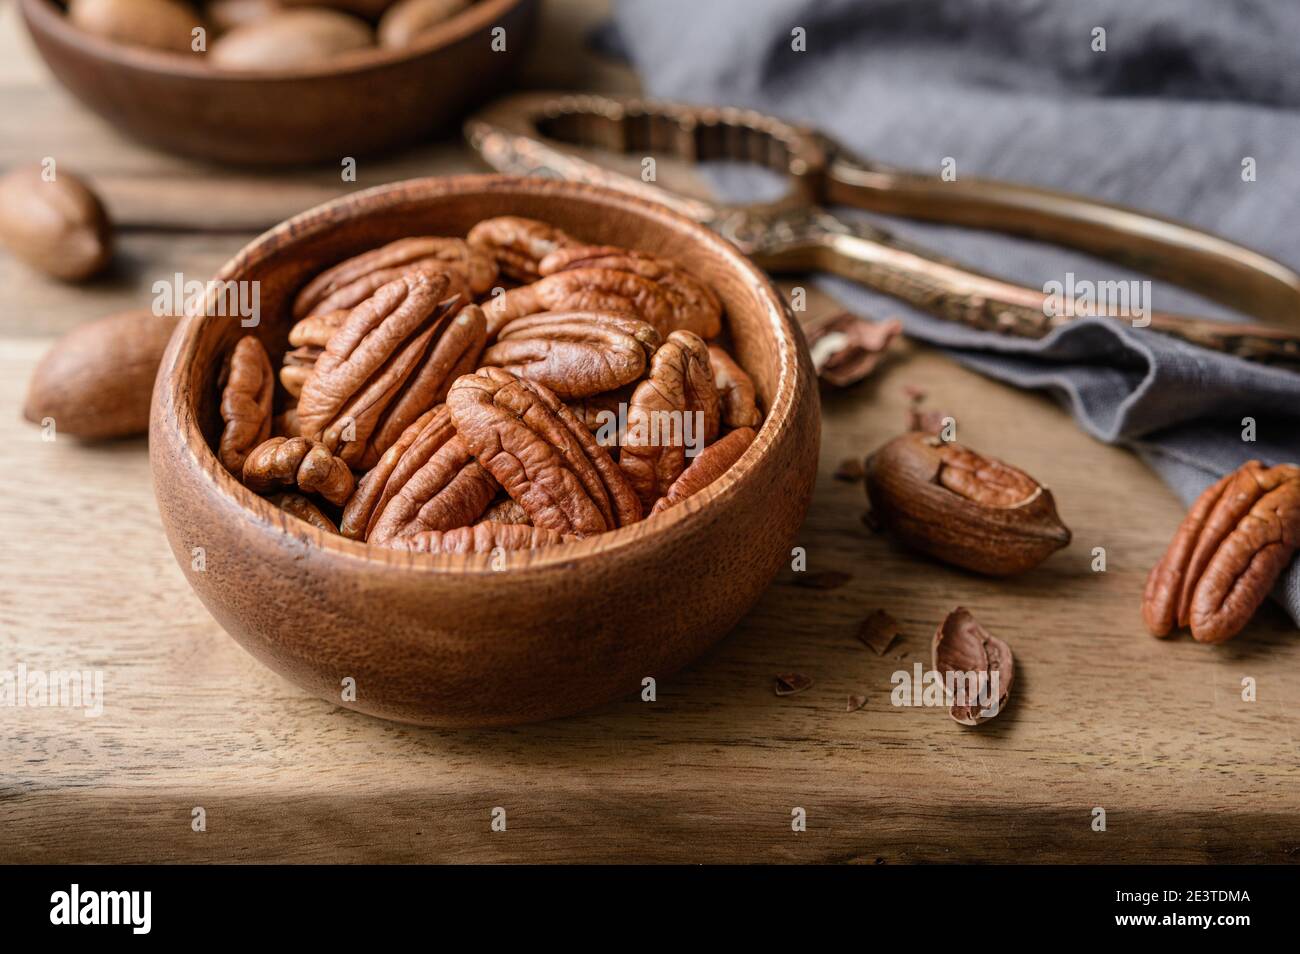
[[542, 455], [470, 272], [961, 507], [517, 244], [576, 354], [1229, 551], [696, 308], [736, 388], [281, 462], [586, 289], [710, 464], [481, 538], [676, 406], [392, 359], [976, 658], [245, 402]]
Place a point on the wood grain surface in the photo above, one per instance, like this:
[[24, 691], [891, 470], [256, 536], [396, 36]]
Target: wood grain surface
[[1155, 732]]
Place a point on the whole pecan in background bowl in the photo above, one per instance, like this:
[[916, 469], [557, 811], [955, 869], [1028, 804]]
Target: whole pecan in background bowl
[[496, 620]]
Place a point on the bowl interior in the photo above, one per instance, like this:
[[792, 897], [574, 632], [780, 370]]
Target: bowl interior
[[759, 332], [50, 16]]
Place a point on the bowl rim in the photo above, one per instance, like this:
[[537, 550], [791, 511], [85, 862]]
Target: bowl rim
[[181, 355], [47, 16]]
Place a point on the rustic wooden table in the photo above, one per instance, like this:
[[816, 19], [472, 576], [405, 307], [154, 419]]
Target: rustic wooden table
[[1155, 733]]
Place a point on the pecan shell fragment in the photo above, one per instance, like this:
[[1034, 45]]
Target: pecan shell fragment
[[978, 668], [845, 348]]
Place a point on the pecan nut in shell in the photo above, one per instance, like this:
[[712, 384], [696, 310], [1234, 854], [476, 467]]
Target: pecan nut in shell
[[961, 507]]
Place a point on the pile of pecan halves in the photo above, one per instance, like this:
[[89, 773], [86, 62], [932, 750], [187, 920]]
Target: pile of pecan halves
[[422, 412]]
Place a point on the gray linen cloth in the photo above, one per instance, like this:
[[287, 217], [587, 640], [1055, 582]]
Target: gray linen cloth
[[1013, 89]]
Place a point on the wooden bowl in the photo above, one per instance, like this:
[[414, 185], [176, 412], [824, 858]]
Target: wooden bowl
[[448, 640], [361, 103]]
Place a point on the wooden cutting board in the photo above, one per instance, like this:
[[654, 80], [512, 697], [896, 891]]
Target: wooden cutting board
[[1156, 733]]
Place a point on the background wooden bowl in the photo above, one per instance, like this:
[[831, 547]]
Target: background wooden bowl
[[446, 640], [361, 103]]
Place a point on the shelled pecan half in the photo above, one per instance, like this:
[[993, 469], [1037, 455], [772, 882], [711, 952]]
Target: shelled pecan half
[[677, 405], [576, 354], [586, 289], [710, 464], [739, 398], [470, 272], [517, 244], [245, 402], [392, 359], [696, 308], [600, 412], [542, 455], [285, 424], [281, 462], [308, 339], [1229, 551], [370, 496], [506, 510], [296, 505], [481, 538], [435, 484]]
